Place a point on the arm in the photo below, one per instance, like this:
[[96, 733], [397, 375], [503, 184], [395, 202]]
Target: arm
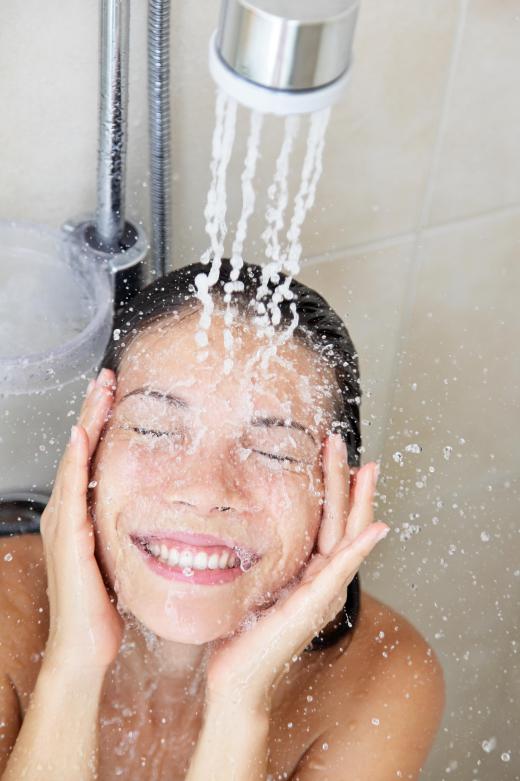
[[57, 740], [232, 744], [58, 737]]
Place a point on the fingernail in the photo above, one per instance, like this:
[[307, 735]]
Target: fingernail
[[377, 470], [74, 434], [382, 534], [102, 377], [90, 386]]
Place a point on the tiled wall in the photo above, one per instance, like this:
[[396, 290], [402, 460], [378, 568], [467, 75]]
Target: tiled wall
[[414, 238]]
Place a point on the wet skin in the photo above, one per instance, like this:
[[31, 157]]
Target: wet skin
[[221, 465]]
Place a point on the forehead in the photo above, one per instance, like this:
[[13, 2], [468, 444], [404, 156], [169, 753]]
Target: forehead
[[167, 357]]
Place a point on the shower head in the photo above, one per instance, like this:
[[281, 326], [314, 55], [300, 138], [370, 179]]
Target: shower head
[[284, 56]]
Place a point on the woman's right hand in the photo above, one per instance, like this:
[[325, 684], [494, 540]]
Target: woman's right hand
[[85, 627]]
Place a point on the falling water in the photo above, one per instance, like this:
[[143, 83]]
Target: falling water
[[281, 259], [248, 205], [303, 202], [215, 211]]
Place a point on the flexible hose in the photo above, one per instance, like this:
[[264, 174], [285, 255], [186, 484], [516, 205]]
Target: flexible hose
[[159, 131]]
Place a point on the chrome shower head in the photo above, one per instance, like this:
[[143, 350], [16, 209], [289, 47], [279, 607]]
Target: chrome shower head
[[284, 56]]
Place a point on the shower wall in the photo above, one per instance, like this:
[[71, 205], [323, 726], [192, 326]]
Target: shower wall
[[414, 238]]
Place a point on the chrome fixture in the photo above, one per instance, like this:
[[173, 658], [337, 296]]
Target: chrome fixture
[[110, 238], [284, 56], [159, 131]]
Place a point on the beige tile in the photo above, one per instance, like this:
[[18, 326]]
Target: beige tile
[[379, 143], [450, 564], [48, 92], [479, 167], [367, 289], [458, 380], [456, 579]]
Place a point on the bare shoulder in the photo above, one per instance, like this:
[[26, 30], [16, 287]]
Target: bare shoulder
[[394, 654], [24, 619], [387, 704]]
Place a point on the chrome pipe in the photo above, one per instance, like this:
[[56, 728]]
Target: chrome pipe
[[159, 131], [113, 112]]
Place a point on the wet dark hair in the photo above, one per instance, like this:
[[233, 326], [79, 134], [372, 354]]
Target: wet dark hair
[[319, 327]]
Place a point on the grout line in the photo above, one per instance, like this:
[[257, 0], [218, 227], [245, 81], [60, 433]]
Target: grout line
[[411, 283], [357, 249], [472, 219], [445, 109]]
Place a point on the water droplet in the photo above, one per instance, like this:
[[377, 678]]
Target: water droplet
[[489, 745], [8, 557]]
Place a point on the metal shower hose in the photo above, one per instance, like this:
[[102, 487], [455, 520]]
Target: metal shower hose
[[159, 130]]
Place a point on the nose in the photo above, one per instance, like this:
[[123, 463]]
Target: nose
[[210, 481]]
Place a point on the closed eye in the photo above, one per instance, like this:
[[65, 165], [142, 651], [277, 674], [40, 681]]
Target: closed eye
[[153, 433], [279, 458]]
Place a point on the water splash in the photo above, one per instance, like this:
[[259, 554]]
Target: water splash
[[286, 260], [216, 206], [248, 204]]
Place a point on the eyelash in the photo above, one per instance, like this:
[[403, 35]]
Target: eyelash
[[145, 432]]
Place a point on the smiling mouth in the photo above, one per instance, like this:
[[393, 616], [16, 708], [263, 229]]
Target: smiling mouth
[[182, 556]]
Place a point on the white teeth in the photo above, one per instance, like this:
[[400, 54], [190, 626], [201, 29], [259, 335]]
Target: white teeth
[[199, 561], [222, 562], [173, 557], [186, 559]]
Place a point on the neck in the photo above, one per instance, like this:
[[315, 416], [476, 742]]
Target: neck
[[179, 668]]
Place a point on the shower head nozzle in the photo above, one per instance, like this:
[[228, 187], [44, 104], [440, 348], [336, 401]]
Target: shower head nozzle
[[284, 56]]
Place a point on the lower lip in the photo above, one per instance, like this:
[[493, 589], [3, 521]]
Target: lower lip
[[204, 577]]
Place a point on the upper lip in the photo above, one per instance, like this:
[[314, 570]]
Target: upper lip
[[191, 538]]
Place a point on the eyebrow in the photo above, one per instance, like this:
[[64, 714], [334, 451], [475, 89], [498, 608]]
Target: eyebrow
[[177, 401], [171, 398], [271, 422]]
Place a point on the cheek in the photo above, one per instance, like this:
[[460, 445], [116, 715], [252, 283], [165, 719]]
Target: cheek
[[295, 509]]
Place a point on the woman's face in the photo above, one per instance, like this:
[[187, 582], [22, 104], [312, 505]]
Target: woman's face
[[236, 456]]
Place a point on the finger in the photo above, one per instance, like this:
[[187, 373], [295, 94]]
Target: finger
[[333, 579], [92, 418], [313, 605], [69, 475], [74, 502], [335, 507], [362, 513], [95, 409]]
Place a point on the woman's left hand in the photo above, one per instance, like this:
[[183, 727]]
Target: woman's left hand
[[247, 666]]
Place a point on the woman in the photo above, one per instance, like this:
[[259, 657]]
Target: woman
[[185, 613]]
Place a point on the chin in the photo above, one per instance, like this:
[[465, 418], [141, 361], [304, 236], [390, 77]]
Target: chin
[[174, 621]]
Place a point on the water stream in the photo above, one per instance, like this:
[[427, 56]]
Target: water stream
[[283, 255]]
